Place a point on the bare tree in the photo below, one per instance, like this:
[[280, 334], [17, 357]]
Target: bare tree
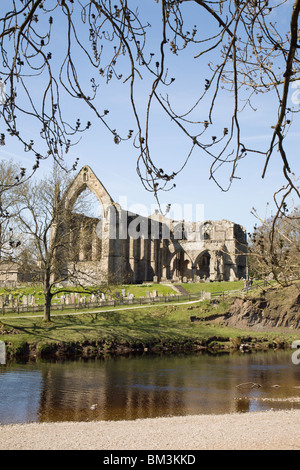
[[275, 248], [9, 239], [43, 218], [249, 55]]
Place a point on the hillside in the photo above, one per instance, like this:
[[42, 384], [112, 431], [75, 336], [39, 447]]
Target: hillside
[[275, 307]]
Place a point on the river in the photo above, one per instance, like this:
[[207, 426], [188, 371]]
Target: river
[[147, 386]]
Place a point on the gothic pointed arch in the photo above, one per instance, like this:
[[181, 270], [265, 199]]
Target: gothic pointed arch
[[202, 264], [86, 179]]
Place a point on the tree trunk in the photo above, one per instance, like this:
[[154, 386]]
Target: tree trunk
[[47, 306], [48, 296]]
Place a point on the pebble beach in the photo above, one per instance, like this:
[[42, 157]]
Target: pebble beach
[[270, 430]]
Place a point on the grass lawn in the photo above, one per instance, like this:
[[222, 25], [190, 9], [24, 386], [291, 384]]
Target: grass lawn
[[139, 290], [167, 325], [216, 287]]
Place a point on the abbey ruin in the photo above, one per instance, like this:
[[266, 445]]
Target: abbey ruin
[[130, 248]]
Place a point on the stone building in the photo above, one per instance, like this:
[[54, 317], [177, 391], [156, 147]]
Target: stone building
[[129, 248], [12, 274]]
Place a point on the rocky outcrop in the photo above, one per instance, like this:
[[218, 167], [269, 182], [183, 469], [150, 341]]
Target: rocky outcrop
[[275, 308]]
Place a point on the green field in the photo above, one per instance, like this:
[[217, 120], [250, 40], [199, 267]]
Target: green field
[[160, 326]]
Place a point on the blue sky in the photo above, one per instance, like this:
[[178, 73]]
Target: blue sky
[[115, 165]]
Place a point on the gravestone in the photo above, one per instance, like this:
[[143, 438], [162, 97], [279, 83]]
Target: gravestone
[[155, 279]]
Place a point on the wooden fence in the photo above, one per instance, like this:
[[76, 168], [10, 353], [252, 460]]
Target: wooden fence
[[203, 295]]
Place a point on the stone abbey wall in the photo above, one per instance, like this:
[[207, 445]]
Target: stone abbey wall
[[126, 247]]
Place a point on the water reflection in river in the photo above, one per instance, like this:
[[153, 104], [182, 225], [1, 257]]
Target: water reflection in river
[[147, 386]]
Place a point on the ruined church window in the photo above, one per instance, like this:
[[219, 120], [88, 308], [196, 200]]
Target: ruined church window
[[85, 242], [179, 231], [207, 232], [85, 176]]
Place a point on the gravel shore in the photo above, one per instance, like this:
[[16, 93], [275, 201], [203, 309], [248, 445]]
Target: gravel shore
[[270, 430]]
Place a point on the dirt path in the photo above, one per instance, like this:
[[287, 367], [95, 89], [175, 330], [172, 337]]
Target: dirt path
[[158, 304]]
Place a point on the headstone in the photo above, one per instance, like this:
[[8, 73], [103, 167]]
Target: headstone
[[72, 299], [24, 300], [155, 279], [123, 292], [33, 302], [67, 299], [154, 293], [29, 298], [184, 279], [103, 296], [206, 295], [147, 295]]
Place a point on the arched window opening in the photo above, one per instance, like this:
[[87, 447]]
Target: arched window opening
[[86, 214], [202, 266]]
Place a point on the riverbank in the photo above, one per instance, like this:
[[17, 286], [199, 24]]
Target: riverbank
[[158, 329], [261, 320], [270, 430]]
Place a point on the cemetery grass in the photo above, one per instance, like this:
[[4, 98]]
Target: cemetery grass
[[138, 290], [166, 327]]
